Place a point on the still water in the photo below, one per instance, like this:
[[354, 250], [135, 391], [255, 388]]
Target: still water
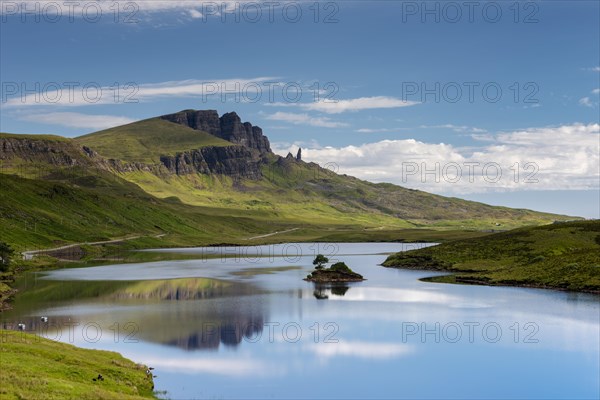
[[240, 322]]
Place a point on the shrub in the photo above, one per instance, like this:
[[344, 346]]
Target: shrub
[[5, 256], [340, 267]]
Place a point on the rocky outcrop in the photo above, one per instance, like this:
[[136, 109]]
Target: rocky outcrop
[[228, 127], [202, 120], [245, 134], [233, 161], [53, 152]]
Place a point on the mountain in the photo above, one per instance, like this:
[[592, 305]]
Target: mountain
[[202, 178]]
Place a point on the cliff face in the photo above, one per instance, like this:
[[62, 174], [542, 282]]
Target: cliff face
[[228, 127], [202, 120], [233, 161], [57, 153]]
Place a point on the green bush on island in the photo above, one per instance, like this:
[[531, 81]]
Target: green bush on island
[[340, 267], [338, 272]]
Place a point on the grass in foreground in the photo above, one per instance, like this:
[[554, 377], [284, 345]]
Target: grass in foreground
[[32, 367], [564, 256]]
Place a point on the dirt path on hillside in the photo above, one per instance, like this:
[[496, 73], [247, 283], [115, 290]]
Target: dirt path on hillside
[[28, 255], [272, 234]]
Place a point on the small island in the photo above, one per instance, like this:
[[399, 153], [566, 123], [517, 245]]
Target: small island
[[338, 272]]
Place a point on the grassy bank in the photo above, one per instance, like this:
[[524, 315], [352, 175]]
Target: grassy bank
[[32, 367], [564, 256]]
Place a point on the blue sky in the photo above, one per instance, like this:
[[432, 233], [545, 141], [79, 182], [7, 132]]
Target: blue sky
[[387, 75]]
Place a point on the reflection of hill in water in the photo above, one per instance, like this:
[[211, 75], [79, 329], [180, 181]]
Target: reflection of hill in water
[[229, 330], [182, 289], [190, 313], [215, 312]]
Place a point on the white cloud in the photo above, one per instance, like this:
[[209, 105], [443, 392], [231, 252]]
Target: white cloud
[[78, 120], [211, 366], [358, 104], [563, 157], [455, 128], [586, 101], [88, 94], [305, 119], [369, 130], [358, 349], [195, 13], [596, 91]]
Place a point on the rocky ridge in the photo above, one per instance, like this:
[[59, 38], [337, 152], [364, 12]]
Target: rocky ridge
[[228, 127]]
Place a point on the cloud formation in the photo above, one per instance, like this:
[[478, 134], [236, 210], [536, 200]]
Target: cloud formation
[[563, 157], [75, 94], [79, 120], [332, 106], [305, 119]]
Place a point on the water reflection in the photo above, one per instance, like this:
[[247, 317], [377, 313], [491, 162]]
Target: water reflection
[[208, 328], [241, 328], [188, 313], [322, 291]]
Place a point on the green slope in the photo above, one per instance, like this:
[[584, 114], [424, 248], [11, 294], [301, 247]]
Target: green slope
[[307, 193], [46, 214], [292, 190], [53, 138], [558, 256], [145, 141], [34, 367]]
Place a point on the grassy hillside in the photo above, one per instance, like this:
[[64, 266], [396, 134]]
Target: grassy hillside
[[54, 138], [558, 256], [34, 367], [145, 141], [306, 193], [42, 214], [298, 191]]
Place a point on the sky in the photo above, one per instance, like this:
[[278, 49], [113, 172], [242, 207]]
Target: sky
[[494, 101]]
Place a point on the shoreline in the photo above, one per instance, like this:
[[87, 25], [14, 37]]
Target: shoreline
[[481, 282], [7, 296]]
